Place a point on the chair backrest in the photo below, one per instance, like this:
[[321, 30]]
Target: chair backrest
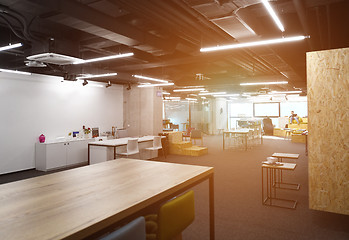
[[121, 133], [134, 230], [132, 145], [157, 142], [195, 133], [175, 216]]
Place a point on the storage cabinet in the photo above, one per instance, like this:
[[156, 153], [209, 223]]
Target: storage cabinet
[[60, 154]]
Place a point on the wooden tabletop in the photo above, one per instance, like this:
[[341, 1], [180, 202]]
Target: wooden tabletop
[[121, 141], [284, 166], [78, 202], [286, 155]]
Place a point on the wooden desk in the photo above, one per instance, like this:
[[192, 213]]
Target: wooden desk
[[272, 172], [77, 203], [114, 143]]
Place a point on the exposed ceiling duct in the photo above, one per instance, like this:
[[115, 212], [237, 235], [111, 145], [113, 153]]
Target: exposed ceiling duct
[[166, 37]]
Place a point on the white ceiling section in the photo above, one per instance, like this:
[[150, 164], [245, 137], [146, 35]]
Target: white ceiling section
[[166, 38]]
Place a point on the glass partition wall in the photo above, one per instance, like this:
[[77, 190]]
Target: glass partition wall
[[186, 114]]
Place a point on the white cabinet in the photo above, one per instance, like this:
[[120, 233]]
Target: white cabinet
[[60, 154]]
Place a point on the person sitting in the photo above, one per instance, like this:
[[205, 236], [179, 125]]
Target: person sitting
[[294, 117]]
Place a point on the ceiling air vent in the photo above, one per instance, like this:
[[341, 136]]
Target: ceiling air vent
[[53, 58]]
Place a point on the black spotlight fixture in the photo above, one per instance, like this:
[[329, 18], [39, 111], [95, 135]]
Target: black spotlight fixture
[[85, 82], [108, 84]]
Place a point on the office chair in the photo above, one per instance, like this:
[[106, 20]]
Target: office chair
[[131, 148], [175, 216], [196, 134], [157, 146]]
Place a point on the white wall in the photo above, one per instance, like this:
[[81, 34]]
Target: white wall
[[32, 105]]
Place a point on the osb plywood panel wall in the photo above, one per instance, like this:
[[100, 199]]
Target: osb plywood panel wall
[[328, 140]]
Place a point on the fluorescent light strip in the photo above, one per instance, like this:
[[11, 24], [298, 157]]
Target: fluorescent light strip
[[156, 85], [189, 89], [97, 76], [285, 92], [273, 15], [193, 87], [166, 93], [172, 98], [263, 83], [227, 95], [211, 93], [251, 44], [150, 78], [15, 71], [191, 99], [104, 58], [10, 46]]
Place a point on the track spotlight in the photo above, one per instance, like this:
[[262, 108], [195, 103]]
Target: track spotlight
[[128, 87], [84, 83], [271, 99], [108, 84]]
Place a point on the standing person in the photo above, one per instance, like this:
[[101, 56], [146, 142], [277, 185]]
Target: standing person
[[294, 117]]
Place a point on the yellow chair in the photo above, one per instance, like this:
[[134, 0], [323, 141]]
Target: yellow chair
[[175, 216]]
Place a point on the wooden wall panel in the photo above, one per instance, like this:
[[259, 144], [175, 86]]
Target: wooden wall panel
[[328, 125]]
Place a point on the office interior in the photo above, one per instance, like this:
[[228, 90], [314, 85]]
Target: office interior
[[88, 73]]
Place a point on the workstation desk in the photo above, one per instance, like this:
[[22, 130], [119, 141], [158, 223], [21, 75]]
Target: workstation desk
[[112, 143], [83, 202]]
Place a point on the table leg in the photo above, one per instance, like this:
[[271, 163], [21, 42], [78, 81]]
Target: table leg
[[88, 154], [211, 206], [114, 152]]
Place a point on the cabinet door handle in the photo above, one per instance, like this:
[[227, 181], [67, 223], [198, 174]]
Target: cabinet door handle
[[68, 143], [64, 144]]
